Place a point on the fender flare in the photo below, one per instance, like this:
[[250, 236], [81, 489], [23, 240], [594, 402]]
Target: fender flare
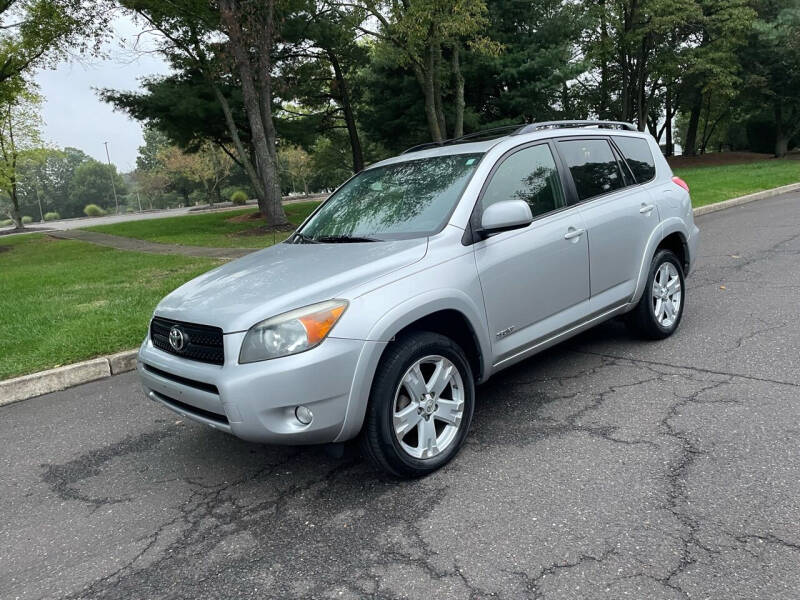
[[665, 229]]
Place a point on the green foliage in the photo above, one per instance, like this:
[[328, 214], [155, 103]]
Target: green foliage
[[92, 210], [6, 222], [91, 184], [51, 216], [239, 197], [26, 220]]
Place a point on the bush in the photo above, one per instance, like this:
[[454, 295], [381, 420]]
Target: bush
[[239, 197], [52, 216], [130, 210], [26, 219], [6, 222], [92, 210]]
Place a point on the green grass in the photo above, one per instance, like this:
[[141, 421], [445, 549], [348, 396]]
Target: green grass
[[210, 229], [63, 301], [715, 184]]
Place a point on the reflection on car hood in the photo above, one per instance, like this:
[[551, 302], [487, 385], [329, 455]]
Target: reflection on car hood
[[266, 283]]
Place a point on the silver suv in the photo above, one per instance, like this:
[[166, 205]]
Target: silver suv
[[419, 278]]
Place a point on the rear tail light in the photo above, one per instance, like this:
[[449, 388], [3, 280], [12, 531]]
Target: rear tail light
[[680, 182]]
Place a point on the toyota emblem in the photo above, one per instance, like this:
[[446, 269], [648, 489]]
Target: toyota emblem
[[177, 339]]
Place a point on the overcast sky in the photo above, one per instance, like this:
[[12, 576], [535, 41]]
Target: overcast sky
[[75, 116]]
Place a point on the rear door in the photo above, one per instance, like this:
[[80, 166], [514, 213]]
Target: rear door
[[619, 213]]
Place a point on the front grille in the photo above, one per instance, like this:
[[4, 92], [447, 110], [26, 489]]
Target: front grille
[[201, 342]]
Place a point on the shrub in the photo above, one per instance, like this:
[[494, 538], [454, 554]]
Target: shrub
[[52, 216], [130, 210], [6, 222], [92, 210], [239, 197], [26, 219]]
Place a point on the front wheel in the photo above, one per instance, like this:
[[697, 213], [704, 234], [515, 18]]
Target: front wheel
[[420, 406], [659, 311]]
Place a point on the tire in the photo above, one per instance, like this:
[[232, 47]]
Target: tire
[[642, 320], [402, 446]]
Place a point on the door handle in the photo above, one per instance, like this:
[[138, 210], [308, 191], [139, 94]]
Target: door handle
[[647, 209], [573, 233]]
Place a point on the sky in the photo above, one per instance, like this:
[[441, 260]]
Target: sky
[[75, 116]]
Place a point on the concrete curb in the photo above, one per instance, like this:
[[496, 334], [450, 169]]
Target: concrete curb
[[60, 378], [709, 208], [44, 382]]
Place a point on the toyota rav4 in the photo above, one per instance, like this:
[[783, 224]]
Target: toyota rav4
[[420, 277]]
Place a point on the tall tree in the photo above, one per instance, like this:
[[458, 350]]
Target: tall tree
[[19, 133], [207, 38], [416, 34]]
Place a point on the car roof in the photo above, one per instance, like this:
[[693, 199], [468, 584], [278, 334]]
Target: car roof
[[455, 147]]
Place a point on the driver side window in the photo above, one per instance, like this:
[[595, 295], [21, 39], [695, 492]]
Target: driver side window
[[530, 175]]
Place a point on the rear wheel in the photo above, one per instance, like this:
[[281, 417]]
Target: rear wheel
[[420, 405], [659, 311]]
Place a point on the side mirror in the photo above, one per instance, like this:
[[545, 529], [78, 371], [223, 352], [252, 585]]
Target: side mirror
[[505, 215]]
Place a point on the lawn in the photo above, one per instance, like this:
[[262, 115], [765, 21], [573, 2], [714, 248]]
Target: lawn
[[714, 184], [211, 229], [64, 301]]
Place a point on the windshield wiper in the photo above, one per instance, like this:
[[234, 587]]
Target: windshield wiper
[[343, 239], [304, 239]]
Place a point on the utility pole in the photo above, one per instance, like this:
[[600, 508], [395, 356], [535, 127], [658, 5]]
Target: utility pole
[[111, 175], [39, 200]]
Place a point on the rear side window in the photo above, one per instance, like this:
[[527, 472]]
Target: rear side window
[[530, 175], [593, 166], [638, 156]]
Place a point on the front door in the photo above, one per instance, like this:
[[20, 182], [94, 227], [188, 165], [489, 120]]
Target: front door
[[535, 280]]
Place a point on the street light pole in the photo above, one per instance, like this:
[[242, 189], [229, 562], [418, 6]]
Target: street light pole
[[111, 175]]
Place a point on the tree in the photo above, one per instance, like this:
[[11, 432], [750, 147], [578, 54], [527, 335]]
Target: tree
[[155, 142], [39, 33], [416, 34], [297, 164], [209, 167], [206, 37], [773, 58], [91, 184], [19, 134]]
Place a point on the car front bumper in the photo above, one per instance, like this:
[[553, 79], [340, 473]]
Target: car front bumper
[[257, 401]]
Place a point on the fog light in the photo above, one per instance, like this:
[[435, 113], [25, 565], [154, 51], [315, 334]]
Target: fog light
[[303, 414]]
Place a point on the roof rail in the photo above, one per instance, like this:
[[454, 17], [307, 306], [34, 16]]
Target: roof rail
[[520, 129], [493, 132], [565, 124]]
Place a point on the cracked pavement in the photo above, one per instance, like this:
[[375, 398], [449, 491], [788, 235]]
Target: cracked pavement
[[605, 467]]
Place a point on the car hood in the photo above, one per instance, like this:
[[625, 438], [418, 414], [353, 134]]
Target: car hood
[[283, 277]]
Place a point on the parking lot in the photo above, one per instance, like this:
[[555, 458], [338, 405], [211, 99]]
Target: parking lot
[[604, 468]]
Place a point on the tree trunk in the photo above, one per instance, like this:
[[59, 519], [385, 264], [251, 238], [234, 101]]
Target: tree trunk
[[690, 143], [425, 79], [257, 102], [347, 109], [668, 149], [244, 155], [781, 137], [436, 50], [458, 126]]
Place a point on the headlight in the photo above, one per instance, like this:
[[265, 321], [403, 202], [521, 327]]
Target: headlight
[[292, 332]]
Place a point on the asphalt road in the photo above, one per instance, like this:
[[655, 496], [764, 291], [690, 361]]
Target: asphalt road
[[604, 468]]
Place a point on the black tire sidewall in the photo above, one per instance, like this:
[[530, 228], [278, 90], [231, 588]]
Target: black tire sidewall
[[408, 350]]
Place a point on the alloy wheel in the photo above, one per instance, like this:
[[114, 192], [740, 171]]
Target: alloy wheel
[[428, 407]]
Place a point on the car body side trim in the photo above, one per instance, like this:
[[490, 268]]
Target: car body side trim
[[542, 344]]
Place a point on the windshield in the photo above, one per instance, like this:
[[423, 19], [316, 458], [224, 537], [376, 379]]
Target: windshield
[[401, 200]]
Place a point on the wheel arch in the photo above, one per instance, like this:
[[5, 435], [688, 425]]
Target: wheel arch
[[671, 235]]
